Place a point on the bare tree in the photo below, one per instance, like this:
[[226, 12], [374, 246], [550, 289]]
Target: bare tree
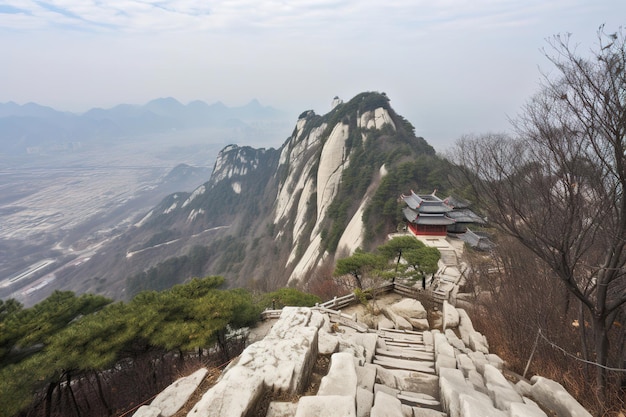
[[558, 186]]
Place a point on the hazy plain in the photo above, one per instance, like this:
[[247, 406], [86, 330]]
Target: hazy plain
[[59, 206]]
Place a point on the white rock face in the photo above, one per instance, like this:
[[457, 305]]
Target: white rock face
[[332, 162], [309, 259], [353, 235], [375, 119], [198, 191], [299, 168]]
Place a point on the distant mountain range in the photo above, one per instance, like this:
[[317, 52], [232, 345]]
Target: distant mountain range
[[32, 127]]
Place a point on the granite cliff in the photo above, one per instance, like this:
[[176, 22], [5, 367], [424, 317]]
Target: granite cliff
[[268, 217]]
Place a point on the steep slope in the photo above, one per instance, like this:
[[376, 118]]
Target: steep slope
[[270, 217]]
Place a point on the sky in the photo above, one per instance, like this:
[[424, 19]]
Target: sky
[[451, 67]]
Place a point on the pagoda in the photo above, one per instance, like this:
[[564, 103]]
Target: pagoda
[[427, 215]]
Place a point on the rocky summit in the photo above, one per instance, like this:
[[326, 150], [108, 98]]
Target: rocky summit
[[329, 189]]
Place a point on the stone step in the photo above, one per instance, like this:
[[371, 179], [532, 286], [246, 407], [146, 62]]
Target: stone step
[[409, 354], [420, 400], [410, 365], [403, 338], [408, 345], [396, 331]]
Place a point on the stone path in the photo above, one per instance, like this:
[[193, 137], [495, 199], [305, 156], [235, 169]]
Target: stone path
[[405, 363], [379, 373]]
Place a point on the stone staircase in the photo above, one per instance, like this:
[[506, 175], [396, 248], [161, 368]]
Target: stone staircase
[[405, 363], [388, 372]]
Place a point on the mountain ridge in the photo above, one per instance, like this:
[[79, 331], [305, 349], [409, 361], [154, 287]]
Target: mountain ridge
[[267, 218], [32, 127]]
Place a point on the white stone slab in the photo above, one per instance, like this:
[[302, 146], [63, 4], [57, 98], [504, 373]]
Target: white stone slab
[[281, 409], [427, 412], [418, 382], [551, 395], [327, 406], [364, 402], [452, 384], [234, 396], [175, 396], [147, 411], [420, 366], [526, 410], [341, 378], [472, 406], [386, 405], [450, 316], [366, 377]]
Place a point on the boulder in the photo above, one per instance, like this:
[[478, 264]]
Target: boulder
[[419, 324], [410, 308], [385, 323], [327, 343], [174, 397], [368, 341], [478, 342], [551, 395], [341, 378], [400, 323], [454, 340], [500, 390], [450, 316], [465, 326], [452, 385]]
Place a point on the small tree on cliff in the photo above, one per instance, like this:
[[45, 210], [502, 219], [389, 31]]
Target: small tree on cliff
[[358, 265], [558, 188], [394, 248]]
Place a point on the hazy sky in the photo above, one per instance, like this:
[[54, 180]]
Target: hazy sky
[[449, 66]]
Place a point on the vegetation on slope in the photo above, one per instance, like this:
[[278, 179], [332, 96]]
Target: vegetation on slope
[[72, 355]]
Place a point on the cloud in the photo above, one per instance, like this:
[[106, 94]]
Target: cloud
[[219, 15]]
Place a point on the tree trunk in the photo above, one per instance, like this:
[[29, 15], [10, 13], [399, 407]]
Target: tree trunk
[[101, 394], [49, 392], [583, 338], [71, 392], [602, 350]]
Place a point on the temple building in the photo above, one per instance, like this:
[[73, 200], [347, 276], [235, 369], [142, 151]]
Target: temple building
[[428, 215]]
